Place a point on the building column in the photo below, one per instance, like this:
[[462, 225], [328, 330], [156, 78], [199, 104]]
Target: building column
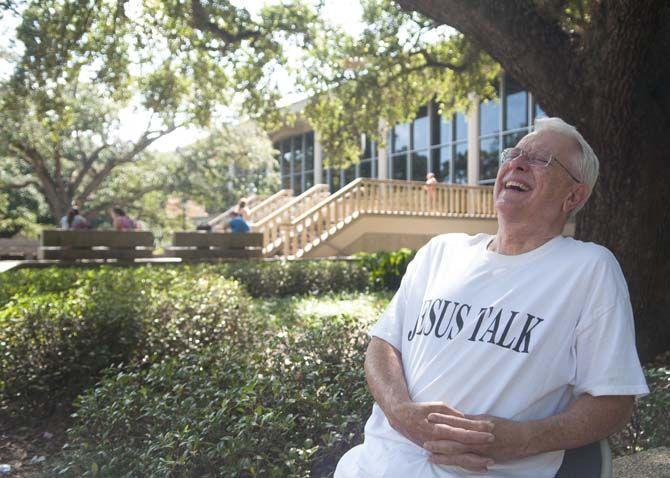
[[473, 141], [382, 155], [318, 160]]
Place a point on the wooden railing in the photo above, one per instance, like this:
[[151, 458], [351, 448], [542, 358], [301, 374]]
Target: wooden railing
[[389, 197], [219, 221], [272, 224], [271, 204]]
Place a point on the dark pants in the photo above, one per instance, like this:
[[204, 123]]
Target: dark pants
[[583, 462]]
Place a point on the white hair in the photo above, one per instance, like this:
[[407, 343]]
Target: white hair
[[588, 161]]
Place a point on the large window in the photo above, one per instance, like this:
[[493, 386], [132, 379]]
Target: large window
[[308, 173], [297, 164], [515, 99], [514, 122], [367, 165], [420, 142], [410, 148], [285, 158], [490, 119], [296, 157], [449, 150], [399, 140], [334, 179]]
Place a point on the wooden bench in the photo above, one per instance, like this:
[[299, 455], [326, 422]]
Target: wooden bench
[[202, 245], [18, 248], [105, 245]]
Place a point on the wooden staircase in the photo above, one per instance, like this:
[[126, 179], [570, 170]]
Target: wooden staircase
[[386, 200]]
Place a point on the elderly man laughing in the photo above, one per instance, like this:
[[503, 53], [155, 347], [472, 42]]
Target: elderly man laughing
[[499, 352]]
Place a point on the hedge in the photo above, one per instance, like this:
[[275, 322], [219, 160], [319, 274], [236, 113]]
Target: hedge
[[287, 406], [55, 344]]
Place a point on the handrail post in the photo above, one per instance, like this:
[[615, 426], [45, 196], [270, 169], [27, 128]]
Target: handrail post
[[285, 233]]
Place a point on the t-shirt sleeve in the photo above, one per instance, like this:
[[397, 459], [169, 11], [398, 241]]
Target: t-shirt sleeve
[[607, 360], [389, 326]]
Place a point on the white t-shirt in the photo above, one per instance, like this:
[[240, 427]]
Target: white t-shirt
[[518, 337]]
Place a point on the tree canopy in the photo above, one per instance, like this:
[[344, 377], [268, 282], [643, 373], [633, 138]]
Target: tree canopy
[[83, 62], [400, 61], [229, 163]]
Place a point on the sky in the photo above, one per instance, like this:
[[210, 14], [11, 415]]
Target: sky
[[345, 13]]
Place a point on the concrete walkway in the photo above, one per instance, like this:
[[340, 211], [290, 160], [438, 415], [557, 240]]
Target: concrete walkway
[[7, 265], [647, 464]]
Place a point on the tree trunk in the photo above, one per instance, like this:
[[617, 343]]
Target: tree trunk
[[629, 213]]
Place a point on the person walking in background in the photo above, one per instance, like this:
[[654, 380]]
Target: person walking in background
[[73, 220], [430, 187], [121, 221]]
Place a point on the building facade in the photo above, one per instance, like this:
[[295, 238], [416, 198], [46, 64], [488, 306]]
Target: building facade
[[461, 149]]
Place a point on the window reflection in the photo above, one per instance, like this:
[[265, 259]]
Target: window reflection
[[489, 152], [365, 169], [461, 127], [297, 155], [335, 181], [309, 151], [349, 174], [420, 130], [442, 163], [516, 105], [489, 114], [309, 180], [461, 164], [399, 166], [419, 165], [401, 138]]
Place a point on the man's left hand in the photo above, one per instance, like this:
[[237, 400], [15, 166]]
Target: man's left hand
[[511, 441]]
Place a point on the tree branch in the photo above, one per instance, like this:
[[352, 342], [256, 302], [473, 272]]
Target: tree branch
[[144, 142], [532, 48], [87, 164], [20, 185], [47, 184], [202, 22]]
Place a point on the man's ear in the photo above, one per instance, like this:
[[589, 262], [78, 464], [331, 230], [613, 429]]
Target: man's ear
[[576, 198]]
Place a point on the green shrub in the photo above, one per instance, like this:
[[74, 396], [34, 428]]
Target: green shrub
[[54, 345], [285, 278], [287, 407], [36, 281], [193, 313], [386, 269], [649, 427]]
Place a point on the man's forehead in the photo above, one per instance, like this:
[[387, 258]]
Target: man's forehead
[[549, 141]]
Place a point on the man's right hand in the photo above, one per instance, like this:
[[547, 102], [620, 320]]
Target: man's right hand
[[411, 420]]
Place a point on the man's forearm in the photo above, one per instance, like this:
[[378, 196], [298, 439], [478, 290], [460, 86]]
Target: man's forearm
[[385, 376], [587, 419]]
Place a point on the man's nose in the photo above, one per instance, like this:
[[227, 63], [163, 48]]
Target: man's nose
[[519, 163]]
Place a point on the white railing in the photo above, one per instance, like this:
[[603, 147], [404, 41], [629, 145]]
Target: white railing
[[389, 197], [271, 225], [271, 204]]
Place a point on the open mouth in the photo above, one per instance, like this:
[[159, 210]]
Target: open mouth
[[516, 186]]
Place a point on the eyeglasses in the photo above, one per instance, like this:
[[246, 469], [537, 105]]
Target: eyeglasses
[[510, 154]]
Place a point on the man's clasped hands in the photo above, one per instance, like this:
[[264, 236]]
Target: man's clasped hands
[[473, 442]]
